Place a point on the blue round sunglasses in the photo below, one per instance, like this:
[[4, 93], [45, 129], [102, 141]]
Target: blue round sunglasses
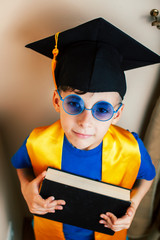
[[74, 105]]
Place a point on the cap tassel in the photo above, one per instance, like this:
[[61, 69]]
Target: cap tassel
[[54, 61]]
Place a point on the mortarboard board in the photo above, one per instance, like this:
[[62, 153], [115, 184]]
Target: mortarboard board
[[93, 56]]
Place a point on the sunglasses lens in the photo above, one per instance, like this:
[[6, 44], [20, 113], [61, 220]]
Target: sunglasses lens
[[102, 111], [73, 104]]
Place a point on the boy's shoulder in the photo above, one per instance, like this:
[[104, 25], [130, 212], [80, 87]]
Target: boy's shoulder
[[120, 135], [56, 126], [45, 135], [119, 131]]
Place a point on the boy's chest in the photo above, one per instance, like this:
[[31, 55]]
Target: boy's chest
[[83, 163]]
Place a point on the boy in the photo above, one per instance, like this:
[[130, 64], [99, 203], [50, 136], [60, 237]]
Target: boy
[[88, 69]]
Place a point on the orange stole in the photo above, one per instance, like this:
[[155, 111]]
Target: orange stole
[[120, 165]]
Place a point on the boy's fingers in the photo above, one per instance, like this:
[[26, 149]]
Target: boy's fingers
[[106, 220], [49, 202], [42, 206], [60, 202], [42, 211], [112, 217], [56, 204]]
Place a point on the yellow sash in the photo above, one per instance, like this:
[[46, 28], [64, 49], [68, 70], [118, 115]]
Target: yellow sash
[[120, 165]]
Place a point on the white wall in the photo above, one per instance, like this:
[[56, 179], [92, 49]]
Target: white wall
[[26, 84]]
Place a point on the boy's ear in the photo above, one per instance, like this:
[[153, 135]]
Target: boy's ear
[[118, 115], [56, 101]]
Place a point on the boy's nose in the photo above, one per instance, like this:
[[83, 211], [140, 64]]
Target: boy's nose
[[85, 118]]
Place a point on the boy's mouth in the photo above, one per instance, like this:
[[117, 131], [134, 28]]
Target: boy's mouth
[[82, 135]]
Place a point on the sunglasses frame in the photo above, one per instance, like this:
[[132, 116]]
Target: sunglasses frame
[[91, 109]]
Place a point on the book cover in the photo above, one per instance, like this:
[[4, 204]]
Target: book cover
[[85, 199]]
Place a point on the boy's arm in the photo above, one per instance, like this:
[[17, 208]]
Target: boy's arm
[[117, 224], [30, 190]]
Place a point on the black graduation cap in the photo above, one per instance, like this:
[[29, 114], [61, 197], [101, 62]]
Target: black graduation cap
[[93, 56]]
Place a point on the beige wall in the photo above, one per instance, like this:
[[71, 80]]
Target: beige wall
[[26, 82]]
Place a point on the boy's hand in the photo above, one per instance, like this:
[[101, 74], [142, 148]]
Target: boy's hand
[[35, 202], [138, 192], [118, 224]]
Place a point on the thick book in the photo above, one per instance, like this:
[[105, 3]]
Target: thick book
[[85, 199]]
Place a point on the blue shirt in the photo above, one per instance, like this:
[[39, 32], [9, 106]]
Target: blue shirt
[[87, 164]]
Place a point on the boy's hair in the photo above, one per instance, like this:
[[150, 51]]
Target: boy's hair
[[68, 88]]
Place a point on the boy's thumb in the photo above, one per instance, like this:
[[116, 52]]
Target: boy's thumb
[[40, 177], [130, 211]]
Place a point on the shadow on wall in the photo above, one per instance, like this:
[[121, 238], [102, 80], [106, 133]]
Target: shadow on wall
[[11, 204], [151, 105]]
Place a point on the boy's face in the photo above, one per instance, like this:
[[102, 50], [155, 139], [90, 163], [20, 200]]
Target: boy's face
[[83, 131]]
